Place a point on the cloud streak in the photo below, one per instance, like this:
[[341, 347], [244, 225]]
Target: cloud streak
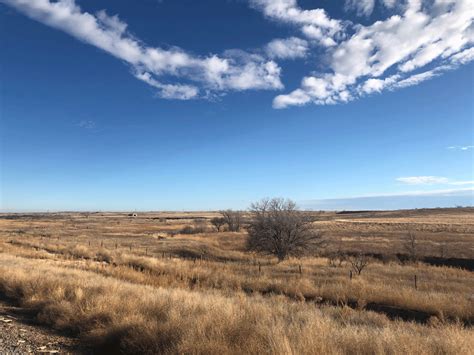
[[432, 180], [462, 148], [192, 74], [401, 200]]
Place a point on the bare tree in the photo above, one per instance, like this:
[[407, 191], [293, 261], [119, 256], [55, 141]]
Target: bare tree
[[359, 262], [277, 227], [336, 258], [410, 245], [233, 219], [218, 222]]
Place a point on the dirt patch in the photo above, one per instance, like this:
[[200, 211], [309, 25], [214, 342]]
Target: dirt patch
[[19, 334]]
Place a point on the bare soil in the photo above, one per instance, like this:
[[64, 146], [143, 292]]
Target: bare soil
[[19, 334]]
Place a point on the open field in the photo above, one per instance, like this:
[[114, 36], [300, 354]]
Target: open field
[[140, 285]]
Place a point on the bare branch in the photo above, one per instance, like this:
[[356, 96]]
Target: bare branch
[[233, 219], [359, 262], [277, 227]]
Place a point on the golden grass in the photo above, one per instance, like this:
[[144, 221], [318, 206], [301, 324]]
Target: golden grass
[[134, 285], [163, 320], [444, 292]]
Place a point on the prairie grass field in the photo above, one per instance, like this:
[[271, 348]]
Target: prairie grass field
[[169, 282]]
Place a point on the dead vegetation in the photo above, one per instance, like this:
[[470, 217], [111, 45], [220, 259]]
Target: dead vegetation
[[134, 285]]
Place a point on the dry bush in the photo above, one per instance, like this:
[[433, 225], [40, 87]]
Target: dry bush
[[278, 228], [411, 247], [197, 228], [336, 258], [233, 219], [359, 262], [218, 222]]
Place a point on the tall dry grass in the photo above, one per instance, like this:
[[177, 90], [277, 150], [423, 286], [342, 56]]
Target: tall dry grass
[[442, 292], [118, 316], [103, 277]]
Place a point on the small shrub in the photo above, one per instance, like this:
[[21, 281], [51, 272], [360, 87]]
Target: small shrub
[[218, 222], [199, 227], [336, 259], [359, 262]]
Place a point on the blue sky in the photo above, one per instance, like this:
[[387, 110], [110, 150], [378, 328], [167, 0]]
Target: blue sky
[[181, 105]]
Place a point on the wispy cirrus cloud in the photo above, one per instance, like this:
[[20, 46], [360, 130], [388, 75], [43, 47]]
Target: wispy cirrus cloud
[[423, 180], [432, 180], [461, 147], [86, 124], [362, 7], [366, 7], [406, 199], [192, 75]]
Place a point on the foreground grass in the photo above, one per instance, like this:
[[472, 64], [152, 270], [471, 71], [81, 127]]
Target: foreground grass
[[120, 316], [442, 292]]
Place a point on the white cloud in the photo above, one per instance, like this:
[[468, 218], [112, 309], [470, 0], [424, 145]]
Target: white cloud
[[389, 3], [169, 91], [86, 124], [463, 148], [399, 200], [432, 180], [426, 193], [423, 180], [389, 54], [288, 48], [377, 85], [416, 79], [109, 33], [470, 182], [314, 23], [463, 57], [366, 7], [362, 7], [446, 192], [421, 39]]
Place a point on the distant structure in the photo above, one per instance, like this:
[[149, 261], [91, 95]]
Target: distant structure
[[134, 215]]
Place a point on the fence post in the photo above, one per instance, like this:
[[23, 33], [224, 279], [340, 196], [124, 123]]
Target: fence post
[[416, 285], [299, 267], [146, 251], [350, 275], [259, 267]]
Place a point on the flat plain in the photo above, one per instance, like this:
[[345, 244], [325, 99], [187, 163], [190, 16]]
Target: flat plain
[[169, 282]]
